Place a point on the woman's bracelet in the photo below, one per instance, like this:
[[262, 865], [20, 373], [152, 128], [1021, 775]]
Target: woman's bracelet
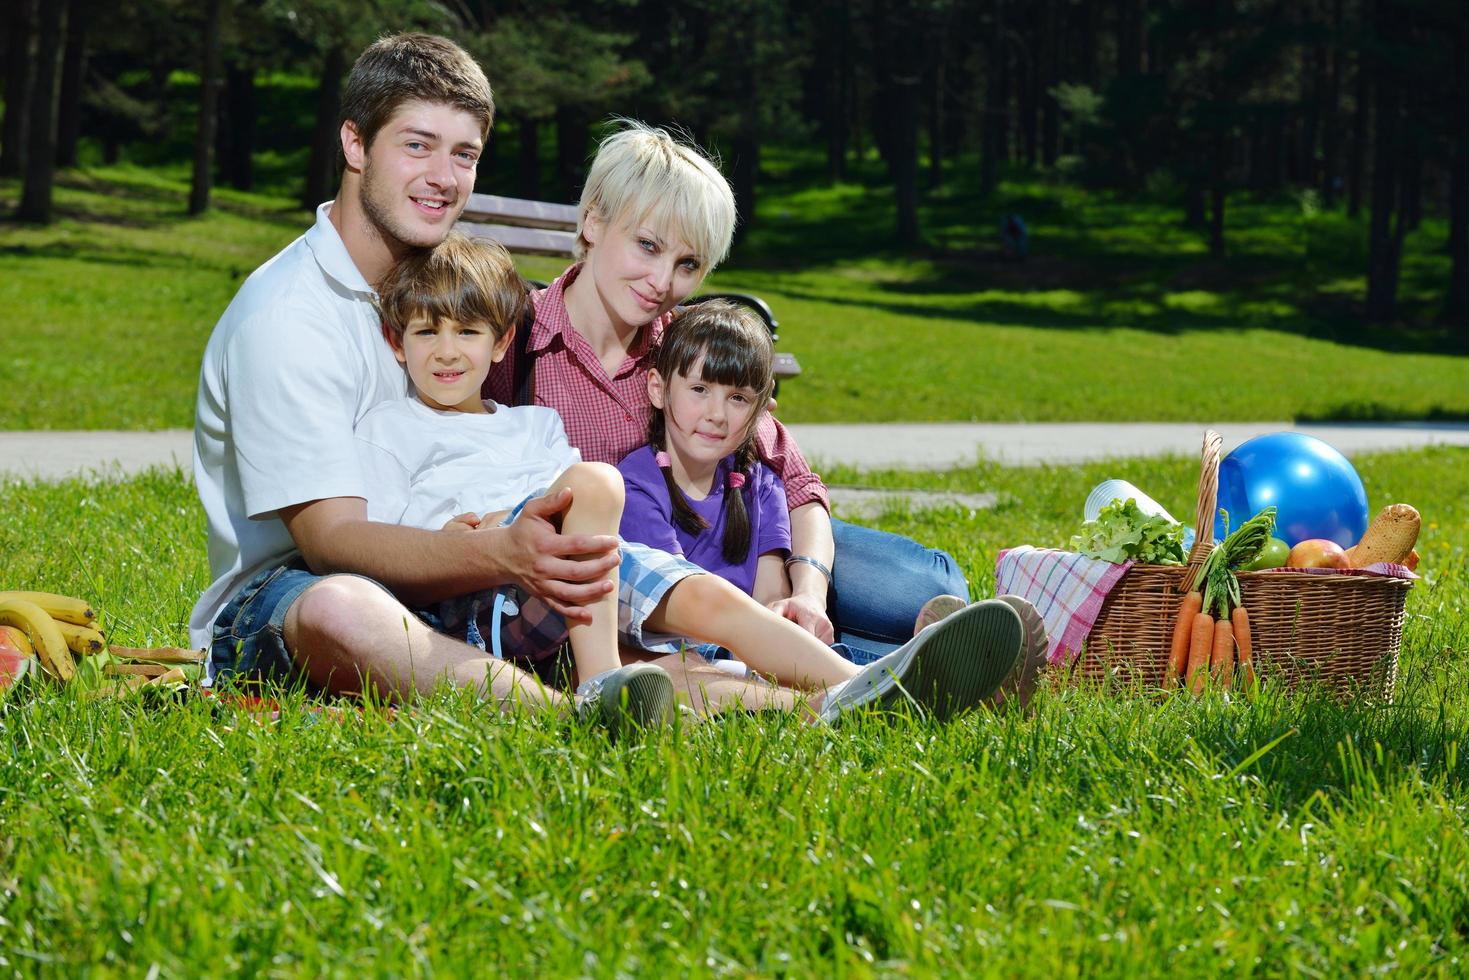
[[808, 560]]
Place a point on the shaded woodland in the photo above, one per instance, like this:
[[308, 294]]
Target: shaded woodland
[[1359, 105]]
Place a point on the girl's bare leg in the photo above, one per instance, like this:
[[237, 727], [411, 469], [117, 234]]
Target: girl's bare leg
[[710, 691], [709, 609], [596, 508]]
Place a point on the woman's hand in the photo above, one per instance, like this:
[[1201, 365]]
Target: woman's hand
[[807, 613]]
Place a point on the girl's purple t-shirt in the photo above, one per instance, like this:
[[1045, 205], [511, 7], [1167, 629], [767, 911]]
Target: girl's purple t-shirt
[[647, 517]]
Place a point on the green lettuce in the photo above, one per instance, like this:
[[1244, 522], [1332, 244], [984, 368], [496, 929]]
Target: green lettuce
[[1124, 533]]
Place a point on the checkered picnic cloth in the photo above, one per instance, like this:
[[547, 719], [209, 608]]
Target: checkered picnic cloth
[[1066, 588]]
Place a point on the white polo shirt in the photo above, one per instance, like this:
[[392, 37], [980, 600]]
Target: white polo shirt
[[295, 361]]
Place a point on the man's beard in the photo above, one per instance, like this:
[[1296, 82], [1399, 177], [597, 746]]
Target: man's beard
[[388, 227]]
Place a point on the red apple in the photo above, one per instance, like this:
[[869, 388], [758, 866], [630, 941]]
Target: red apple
[[1318, 553]]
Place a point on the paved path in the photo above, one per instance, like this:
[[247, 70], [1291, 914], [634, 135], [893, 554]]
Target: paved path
[[919, 446]]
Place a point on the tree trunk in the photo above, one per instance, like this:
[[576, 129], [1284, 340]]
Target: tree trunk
[[1456, 303], [834, 67], [1029, 96], [992, 141], [1410, 198], [1330, 106], [326, 142], [745, 171], [905, 158], [902, 80], [1384, 235], [936, 124], [1050, 114], [1359, 138], [69, 110], [1217, 193], [1129, 37], [1312, 96], [528, 158], [572, 141], [236, 139], [208, 110], [40, 166], [20, 78]]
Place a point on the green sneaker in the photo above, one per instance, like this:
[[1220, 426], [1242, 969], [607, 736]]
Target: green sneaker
[[628, 699]]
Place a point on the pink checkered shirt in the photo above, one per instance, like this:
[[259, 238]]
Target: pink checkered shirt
[[607, 417]]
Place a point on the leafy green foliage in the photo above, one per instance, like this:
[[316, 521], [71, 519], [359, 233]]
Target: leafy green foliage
[[1122, 533]]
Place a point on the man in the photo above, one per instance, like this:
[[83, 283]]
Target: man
[[304, 584]]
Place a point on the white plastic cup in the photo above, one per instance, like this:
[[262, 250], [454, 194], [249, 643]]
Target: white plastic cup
[[1109, 490]]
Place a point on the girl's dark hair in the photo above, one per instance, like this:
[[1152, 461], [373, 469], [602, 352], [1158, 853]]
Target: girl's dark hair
[[736, 349]]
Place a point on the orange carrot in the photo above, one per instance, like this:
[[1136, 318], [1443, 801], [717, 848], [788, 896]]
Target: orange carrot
[[1246, 648], [1201, 638], [1221, 659], [1178, 649]]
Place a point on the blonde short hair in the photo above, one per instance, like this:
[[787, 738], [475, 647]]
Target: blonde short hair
[[644, 174], [467, 280]]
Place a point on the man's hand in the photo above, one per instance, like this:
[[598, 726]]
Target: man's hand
[[567, 571], [467, 521], [808, 614]]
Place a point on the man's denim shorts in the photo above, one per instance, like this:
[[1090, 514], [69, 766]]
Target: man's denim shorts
[[249, 633]]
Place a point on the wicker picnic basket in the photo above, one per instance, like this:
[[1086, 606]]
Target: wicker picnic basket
[[1341, 631]]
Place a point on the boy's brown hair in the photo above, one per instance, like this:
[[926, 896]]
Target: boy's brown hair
[[403, 68], [462, 279]]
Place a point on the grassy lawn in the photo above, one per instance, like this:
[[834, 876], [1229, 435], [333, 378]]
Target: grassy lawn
[[1118, 314], [1103, 834]]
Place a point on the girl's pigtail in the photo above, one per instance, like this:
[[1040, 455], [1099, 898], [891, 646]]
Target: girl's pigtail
[[683, 512], [736, 545]]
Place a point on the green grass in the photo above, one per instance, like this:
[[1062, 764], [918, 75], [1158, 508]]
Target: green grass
[[1118, 315], [1104, 834]]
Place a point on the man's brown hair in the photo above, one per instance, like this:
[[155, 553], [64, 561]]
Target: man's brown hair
[[462, 279], [403, 68]]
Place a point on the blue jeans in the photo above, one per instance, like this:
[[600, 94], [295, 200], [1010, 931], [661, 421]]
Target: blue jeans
[[879, 582]]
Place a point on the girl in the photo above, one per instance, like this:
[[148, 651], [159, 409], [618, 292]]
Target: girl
[[699, 488], [655, 217]]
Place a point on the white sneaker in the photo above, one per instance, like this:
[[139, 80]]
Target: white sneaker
[[951, 666], [628, 699]]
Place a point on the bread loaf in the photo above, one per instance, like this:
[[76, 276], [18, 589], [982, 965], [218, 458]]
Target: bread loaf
[[1390, 537]]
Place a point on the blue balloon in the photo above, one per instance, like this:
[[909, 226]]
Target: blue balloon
[[1315, 491]]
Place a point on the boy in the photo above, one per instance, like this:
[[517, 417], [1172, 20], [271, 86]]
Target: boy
[[444, 458]]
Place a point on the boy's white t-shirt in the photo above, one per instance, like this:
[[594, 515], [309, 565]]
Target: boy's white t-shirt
[[297, 359], [422, 466]]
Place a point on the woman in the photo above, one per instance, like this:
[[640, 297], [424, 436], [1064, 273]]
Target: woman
[[656, 216]]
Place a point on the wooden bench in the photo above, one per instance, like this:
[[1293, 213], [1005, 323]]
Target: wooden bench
[[541, 228]]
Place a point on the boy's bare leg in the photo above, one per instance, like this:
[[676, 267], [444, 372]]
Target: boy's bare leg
[[345, 632], [709, 609], [596, 508]]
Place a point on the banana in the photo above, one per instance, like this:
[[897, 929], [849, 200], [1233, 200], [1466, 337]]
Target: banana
[[82, 640], [62, 608], [43, 633], [158, 655], [19, 639]]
